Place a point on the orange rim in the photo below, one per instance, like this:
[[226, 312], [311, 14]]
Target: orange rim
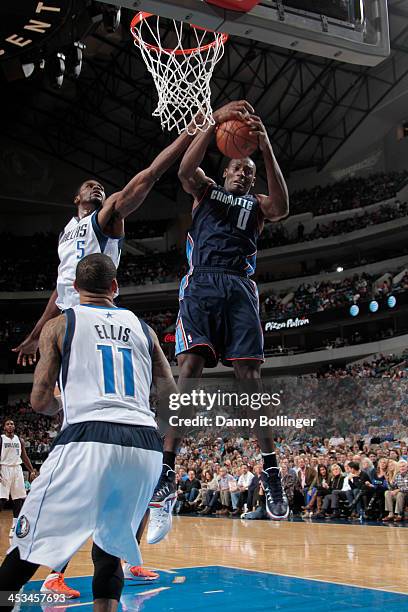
[[142, 15]]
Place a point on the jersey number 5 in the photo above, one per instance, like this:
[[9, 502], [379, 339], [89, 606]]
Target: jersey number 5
[[80, 249], [108, 366]]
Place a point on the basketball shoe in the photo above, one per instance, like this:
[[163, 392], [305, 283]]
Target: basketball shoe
[[136, 572], [55, 583], [277, 505], [161, 506]]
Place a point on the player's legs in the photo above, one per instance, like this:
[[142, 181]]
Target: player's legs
[[17, 493], [161, 506], [248, 372], [243, 349], [107, 583], [7, 476], [14, 574]]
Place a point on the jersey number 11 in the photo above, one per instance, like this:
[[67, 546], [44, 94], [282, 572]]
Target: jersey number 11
[[109, 370]]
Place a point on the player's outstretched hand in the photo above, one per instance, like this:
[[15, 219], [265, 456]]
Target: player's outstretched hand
[[258, 128], [238, 109], [27, 351], [32, 476]]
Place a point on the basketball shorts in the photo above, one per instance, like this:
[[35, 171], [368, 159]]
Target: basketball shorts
[[219, 317], [96, 482], [12, 482]]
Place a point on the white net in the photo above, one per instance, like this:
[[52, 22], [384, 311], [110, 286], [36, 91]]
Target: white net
[[181, 75]]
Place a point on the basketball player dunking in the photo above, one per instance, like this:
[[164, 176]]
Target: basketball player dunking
[[99, 227], [12, 455], [219, 309], [108, 447]]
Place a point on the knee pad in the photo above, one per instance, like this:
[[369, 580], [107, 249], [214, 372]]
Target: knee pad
[[108, 575]]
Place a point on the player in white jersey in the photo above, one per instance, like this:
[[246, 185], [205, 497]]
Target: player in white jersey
[[12, 455], [104, 465], [98, 227]]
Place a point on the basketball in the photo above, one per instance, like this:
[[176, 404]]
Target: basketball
[[234, 139]]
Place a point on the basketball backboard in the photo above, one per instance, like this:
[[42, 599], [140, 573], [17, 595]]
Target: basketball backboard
[[354, 31]]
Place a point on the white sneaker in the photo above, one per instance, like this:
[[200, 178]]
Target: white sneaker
[[160, 521]]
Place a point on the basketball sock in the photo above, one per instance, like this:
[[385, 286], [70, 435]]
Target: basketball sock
[[269, 460], [169, 459], [14, 521]]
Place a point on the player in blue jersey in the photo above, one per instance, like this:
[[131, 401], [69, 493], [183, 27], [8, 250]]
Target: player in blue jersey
[[219, 310]]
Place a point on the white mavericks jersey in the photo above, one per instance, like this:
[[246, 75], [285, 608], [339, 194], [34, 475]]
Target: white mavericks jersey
[[10, 450], [81, 237], [106, 367]]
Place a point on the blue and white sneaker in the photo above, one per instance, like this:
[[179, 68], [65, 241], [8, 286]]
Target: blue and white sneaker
[[161, 506]]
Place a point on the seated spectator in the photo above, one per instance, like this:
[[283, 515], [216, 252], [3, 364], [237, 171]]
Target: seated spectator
[[188, 491], [397, 495], [211, 493], [336, 480], [224, 480], [359, 488], [253, 486], [337, 494], [244, 481], [306, 476], [378, 477], [321, 487], [290, 485]]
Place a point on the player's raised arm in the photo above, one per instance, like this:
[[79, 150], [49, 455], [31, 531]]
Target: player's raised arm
[[27, 350], [275, 205], [122, 203], [192, 177], [46, 373]]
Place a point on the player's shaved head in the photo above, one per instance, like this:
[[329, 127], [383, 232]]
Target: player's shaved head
[[95, 273]]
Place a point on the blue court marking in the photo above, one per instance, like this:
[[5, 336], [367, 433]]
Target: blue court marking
[[228, 589]]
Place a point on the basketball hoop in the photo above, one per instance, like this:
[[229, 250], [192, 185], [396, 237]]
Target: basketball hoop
[[181, 73]]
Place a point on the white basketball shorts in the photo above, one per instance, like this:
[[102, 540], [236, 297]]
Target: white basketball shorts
[[12, 482], [96, 482]]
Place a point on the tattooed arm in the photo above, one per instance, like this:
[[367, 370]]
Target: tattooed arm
[[48, 367]]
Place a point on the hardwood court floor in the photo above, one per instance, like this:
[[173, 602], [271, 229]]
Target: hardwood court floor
[[361, 555]]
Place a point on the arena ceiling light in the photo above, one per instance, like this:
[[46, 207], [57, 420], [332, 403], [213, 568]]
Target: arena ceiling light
[[55, 67], [74, 58], [111, 17], [339, 269]]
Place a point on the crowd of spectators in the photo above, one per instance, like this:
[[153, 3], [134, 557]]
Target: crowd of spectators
[[351, 464], [347, 194], [323, 295], [276, 235]]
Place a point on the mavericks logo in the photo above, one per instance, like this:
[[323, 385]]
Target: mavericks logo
[[22, 527]]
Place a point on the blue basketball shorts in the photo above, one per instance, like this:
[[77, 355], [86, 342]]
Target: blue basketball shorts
[[219, 317]]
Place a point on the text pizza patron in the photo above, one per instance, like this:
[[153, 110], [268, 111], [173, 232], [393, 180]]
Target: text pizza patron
[[274, 325]]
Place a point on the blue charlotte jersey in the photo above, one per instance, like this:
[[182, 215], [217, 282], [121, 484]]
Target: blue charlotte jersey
[[224, 232]]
